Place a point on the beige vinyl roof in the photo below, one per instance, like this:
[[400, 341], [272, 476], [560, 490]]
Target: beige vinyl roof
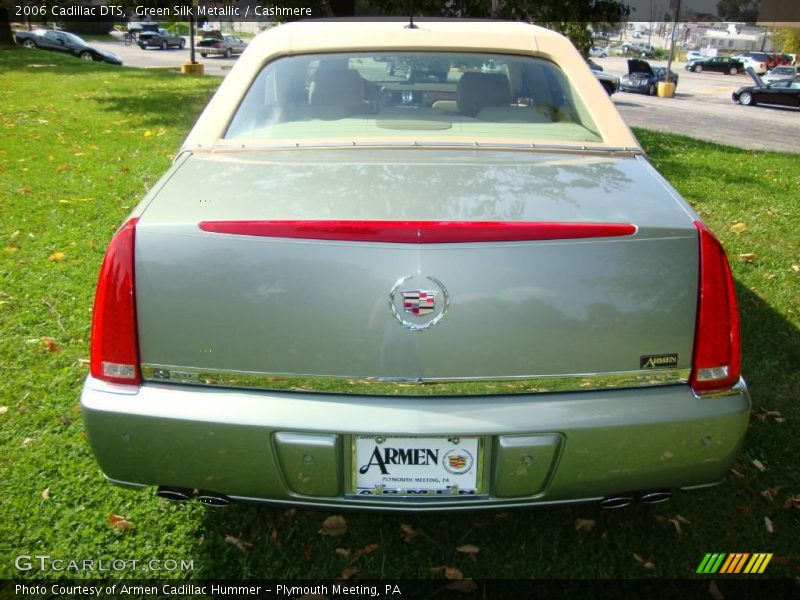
[[306, 37]]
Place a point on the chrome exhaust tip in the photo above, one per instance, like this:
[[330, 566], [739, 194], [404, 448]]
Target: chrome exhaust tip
[[213, 500], [655, 497], [174, 494], [616, 502]]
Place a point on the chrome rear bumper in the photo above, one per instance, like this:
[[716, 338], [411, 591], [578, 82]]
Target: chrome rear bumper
[[247, 444]]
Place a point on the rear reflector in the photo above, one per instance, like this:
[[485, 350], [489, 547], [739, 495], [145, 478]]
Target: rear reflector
[[115, 345], [717, 347], [419, 232]]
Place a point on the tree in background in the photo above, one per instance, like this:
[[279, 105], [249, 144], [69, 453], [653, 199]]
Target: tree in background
[[570, 17], [786, 39], [6, 37], [745, 11]]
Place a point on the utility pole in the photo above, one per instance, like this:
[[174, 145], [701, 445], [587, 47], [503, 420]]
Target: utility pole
[[672, 43], [191, 36]]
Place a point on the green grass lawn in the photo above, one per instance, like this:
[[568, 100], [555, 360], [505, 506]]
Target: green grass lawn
[[79, 145]]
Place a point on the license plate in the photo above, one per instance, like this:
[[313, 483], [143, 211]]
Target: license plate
[[408, 466]]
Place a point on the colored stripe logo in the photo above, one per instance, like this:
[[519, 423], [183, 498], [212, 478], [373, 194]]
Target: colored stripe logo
[[734, 563]]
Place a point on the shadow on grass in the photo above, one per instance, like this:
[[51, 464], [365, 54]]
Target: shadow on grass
[[153, 97], [283, 543]]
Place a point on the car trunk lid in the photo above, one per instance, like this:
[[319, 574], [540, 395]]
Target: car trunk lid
[[220, 301]]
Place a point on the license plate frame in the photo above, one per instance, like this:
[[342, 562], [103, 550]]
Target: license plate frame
[[463, 475]]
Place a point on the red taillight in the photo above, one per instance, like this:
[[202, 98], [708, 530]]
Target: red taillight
[[115, 344], [717, 346]]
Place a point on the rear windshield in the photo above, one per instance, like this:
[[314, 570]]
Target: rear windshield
[[417, 96]]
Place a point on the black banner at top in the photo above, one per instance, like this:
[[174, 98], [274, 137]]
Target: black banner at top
[[765, 12]]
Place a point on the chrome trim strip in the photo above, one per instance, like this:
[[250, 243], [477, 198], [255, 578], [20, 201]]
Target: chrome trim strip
[[234, 146], [404, 386], [737, 388]]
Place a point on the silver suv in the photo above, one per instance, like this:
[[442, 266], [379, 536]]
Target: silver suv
[[642, 48]]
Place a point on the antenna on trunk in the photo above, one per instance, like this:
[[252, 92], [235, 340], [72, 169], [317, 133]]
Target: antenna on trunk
[[411, 16]]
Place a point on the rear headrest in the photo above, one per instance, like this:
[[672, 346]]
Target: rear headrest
[[338, 88], [476, 91]]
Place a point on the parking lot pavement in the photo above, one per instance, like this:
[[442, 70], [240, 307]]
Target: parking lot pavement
[[133, 56], [702, 108]]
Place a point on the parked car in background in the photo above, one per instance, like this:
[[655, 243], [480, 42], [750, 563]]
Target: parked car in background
[[694, 55], [751, 62], [779, 73], [599, 52], [224, 45], [160, 39], [609, 82], [785, 92], [719, 64], [63, 41], [643, 78], [643, 49], [426, 295]]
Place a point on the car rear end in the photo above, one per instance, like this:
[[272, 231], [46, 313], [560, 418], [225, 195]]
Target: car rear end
[[213, 46], [149, 39], [429, 326]]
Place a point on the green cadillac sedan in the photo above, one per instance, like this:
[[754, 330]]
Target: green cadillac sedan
[[455, 285]]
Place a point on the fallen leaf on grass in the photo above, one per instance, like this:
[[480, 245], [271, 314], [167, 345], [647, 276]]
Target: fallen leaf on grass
[[119, 522], [645, 563], [349, 572], [713, 589], [27, 441], [763, 415], [368, 549], [343, 552], [46, 493], [62, 168], [468, 549], [10, 249], [759, 465], [768, 524], [408, 533], [3, 410], [747, 257], [148, 134], [796, 268], [677, 520], [771, 493], [453, 573], [738, 228], [463, 585], [50, 344], [792, 501], [56, 256], [334, 525], [584, 524], [240, 544]]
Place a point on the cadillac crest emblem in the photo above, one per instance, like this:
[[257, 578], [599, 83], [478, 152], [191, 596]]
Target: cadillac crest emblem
[[419, 302]]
